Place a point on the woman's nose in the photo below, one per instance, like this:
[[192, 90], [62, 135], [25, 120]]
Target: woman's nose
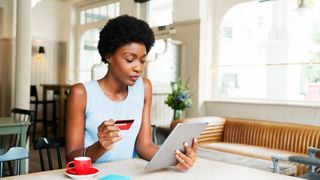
[[138, 67]]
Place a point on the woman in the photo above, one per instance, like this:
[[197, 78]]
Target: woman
[[122, 93]]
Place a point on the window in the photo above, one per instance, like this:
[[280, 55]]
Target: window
[[91, 21], [89, 55], [164, 60], [160, 12], [99, 13], [270, 50]]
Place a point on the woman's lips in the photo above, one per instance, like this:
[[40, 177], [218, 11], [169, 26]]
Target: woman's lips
[[134, 78]]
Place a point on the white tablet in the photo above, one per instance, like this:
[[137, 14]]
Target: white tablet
[[183, 132]]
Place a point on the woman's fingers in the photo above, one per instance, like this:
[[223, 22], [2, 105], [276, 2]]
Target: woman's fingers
[[187, 149], [185, 158], [108, 142], [108, 134], [105, 123], [116, 139], [195, 145], [107, 129], [182, 165], [184, 161], [191, 151], [108, 126]]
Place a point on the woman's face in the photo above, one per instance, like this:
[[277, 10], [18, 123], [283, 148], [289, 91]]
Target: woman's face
[[127, 63]]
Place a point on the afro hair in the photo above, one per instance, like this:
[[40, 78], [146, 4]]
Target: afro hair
[[123, 30]]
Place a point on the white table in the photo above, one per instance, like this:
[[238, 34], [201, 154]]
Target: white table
[[203, 169]]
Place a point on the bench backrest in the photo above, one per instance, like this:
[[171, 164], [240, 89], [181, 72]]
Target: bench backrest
[[277, 135]]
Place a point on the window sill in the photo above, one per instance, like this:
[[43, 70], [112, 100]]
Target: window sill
[[266, 102]]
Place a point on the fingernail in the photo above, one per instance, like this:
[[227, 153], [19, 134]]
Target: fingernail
[[195, 140], [185, 144], [177, 151]]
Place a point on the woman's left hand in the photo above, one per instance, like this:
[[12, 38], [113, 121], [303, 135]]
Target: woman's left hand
[[186, 161]]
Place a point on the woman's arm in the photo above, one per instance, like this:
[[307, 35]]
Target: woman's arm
[[144, 146], [75, 123]]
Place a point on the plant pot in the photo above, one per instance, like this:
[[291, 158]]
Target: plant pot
[[174, 123]]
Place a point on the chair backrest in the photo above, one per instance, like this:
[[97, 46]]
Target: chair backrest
[[24, 116], [48, 144], [13, 154], [33, 92]]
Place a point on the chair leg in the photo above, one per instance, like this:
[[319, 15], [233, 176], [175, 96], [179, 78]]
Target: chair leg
[[17, 167], [45, 120], [35, 122], [54, 119], [10, 168], [1, 169], [59, 157], [41, 161], [49, 159], [154, 134]]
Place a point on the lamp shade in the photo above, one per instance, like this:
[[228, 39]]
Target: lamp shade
[[41, 50]]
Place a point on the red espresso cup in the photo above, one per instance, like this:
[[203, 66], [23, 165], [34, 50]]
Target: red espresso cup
[[82, 165]]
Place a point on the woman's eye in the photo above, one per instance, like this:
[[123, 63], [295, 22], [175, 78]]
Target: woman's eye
[[129, 59]]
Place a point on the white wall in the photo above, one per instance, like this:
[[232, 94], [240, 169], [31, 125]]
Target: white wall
[[300, 114], [185, 11], [7, 55], [49, 28], [8, 18], [48, 20]]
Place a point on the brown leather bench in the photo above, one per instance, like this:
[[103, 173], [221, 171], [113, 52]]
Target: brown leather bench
[[257, 138]]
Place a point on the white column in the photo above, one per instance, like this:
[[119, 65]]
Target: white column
[[23, 55]]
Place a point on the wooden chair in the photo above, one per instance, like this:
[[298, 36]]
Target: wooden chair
[[160, 134], [13, 154], [36, 101], [311, 161], [12, 140], [21, 115], [48, 144]]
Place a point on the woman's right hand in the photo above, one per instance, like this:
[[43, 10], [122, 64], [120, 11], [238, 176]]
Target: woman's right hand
[[108, 134]]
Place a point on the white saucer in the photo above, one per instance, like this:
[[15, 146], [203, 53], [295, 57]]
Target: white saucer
[[75, 176]]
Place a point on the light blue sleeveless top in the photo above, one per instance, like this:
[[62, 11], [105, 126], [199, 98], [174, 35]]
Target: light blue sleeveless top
[[100, 108]]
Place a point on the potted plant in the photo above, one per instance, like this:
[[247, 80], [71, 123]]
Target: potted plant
[[179, 99]]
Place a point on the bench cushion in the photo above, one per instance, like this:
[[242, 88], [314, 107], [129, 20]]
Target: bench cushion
[[248, 150], [253, 151]]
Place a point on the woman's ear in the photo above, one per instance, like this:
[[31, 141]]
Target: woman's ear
[[108, 57]]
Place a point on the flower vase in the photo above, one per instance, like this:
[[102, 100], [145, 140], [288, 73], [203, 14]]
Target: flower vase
[[177, 114]]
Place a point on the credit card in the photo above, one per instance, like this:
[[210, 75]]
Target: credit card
[[124, 124]]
